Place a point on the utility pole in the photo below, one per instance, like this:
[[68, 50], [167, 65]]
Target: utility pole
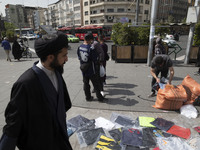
[[190, 37], [137, 12], [152, 29]]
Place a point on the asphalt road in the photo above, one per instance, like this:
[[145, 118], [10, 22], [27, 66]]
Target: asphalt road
[[72, 53]]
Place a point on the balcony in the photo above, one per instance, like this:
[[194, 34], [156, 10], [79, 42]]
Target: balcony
[[111, 2], [69, 12]]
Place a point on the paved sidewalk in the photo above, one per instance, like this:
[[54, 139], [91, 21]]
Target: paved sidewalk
[[127, 88]]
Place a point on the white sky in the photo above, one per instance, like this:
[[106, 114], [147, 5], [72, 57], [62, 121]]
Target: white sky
[[34, 3]]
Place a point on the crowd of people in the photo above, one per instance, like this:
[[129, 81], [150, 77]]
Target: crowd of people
[[36, 117], [92, 55], [18, 48]]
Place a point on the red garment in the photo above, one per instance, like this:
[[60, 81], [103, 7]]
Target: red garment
[[180, 131], [197, 129], [157, 148]]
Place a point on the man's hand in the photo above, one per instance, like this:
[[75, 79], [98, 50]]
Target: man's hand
[[157, 80]]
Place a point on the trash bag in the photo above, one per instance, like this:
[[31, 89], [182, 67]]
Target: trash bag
[[171, 97], [189, 111], [192, 89]]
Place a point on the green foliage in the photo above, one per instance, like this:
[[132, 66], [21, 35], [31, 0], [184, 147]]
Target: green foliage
[[10, 30], [124, 35], [170, 19], [161, 30], [197, 35]]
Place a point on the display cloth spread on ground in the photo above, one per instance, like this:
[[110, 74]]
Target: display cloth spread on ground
[[122, 132]]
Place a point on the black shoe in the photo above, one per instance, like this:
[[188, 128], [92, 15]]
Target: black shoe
[[152, 94], [89, 99], [103, 100]]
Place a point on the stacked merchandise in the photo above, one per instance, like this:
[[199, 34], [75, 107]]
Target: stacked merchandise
[[122, 132]]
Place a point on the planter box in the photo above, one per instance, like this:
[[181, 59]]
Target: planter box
[[113, 51], [193, 54], [140, 53], [123, 54]]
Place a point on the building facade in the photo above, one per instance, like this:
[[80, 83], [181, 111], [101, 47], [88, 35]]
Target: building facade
[[109, 12], [64, 13], [16, 14], [176, 9], [39, 17]]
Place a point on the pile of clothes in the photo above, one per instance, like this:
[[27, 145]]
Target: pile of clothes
[[122, 132]]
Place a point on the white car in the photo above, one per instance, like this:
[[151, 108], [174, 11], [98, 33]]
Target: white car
[[28, 36], [169, 42], [169, 36]]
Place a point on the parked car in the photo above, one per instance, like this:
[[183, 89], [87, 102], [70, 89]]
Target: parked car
[[72, 38], [170, 37], [28, 36], [169, 42]]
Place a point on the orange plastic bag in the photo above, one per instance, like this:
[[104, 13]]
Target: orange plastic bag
[[171, 97], [192, 89]]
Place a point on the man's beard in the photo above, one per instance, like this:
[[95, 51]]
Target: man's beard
[[56, 66]]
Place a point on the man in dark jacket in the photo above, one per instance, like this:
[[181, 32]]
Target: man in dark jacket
[[161, 64], [36, 113], [88, 58]]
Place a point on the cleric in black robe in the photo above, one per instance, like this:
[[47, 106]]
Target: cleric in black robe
[[36, 113], [16, 50]]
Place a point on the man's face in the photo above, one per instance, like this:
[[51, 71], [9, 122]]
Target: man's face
[[59, 61]]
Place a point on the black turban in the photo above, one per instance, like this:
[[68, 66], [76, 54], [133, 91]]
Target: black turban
[[50, 44]]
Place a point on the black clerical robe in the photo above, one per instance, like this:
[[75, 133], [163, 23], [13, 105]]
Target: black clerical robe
[[33, 121]]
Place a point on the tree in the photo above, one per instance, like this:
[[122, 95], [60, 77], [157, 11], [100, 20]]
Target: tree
[[197, 35], [10, 30], [170, 19]]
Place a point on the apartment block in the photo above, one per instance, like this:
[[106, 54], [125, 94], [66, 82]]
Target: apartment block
[[16, 14], [109, 12], [39, 18], [64, 13], [174, 8], [25, 16]]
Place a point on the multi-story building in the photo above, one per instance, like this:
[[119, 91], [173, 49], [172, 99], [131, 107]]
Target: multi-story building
[[20, 15], [15, 14], [174, 8], [108, 12], [39, 18], [29, 13], [64, 13]]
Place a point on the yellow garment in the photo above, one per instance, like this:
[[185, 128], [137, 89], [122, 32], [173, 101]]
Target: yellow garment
[[106, 143], [145, 121]]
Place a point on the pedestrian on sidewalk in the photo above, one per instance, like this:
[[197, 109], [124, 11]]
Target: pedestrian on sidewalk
[[161, 64], [7, 48], [159, 48], [104, 47], [36, 113], [88, 58], [17, 50], [100, 59]]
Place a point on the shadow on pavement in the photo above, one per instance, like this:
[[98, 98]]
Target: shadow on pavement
[[121, 85], [124, 101]]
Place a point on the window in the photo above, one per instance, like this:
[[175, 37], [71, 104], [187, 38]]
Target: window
[[120, 10], [146, 1], [76, 8], [110, 10], [146, 11], [86, 13], [86, 4], [102, 11], [86, 22]]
